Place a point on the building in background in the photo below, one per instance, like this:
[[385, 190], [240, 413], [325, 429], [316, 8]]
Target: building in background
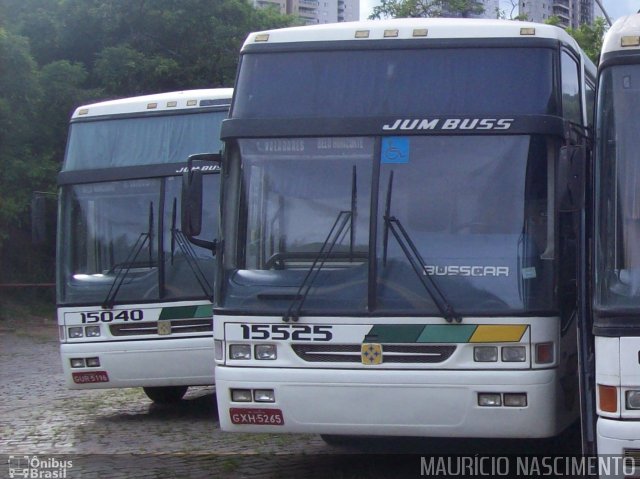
[[572, 13], [316, 11]]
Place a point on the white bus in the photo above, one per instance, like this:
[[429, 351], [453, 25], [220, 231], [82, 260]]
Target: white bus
[[400, 245], [616, 295], [134, 295]]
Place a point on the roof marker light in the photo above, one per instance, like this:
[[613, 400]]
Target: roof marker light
[[362, 33], [192, 102], [261, 37], [84, 111], [152, 106], [630, 41], [172, 104], [390, 33], [527, 31], [420, 32]]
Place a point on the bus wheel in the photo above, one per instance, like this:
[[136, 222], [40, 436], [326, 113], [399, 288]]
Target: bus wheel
[[166, 394]]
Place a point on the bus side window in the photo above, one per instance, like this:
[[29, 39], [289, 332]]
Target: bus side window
[[571, 105]]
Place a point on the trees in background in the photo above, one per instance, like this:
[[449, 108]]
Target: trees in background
[[588, 36], [58, 54], [427, 8]]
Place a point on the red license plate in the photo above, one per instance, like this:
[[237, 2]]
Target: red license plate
[[262, 417], [90, 377]]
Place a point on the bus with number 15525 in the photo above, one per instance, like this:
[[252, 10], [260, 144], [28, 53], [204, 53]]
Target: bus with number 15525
[[399, 227]]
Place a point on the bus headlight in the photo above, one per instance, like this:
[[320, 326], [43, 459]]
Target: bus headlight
[[77, 362], [75, 332], [514, 354], [240, 351], [264, 395], [489, 399], [241, 395], [92, 331], [93, 362], [266, 351], [633, 399], [485, 354], [515, 399]]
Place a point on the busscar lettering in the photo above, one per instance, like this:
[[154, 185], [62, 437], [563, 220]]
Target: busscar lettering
[[448, 124], [466, 270]]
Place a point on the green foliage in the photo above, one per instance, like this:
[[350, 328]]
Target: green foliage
[[426, 8], [19, 96], [58, 54], [590, 37], [554, 21]]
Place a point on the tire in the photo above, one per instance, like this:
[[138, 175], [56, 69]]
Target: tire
[[166, 394]]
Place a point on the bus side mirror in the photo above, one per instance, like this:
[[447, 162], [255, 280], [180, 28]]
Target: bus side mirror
[[43, 218], [571, 177], [191, 202]]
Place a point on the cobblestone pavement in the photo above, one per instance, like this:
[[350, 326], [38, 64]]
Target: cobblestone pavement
[[120, 433]]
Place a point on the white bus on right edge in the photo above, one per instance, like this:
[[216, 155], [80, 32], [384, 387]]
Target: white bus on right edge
[[616, 307]]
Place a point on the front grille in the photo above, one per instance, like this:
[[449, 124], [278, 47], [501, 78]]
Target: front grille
[[392, 353], [151, 327], [632, 456]]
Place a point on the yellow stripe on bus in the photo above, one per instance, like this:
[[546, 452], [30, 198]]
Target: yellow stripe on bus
[[498, 333]]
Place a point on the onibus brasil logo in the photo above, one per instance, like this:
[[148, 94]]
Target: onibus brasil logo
[[35, 467]]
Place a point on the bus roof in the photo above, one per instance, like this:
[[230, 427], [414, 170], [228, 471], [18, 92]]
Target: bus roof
[[178, 100], [412, 28], [625, 31]]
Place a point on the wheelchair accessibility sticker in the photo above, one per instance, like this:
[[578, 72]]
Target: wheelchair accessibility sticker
[[395, 149]]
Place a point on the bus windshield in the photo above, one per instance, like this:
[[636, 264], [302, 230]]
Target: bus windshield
[[159, 139], [130, 229], [617, 193], [474, 207], [440, 81]]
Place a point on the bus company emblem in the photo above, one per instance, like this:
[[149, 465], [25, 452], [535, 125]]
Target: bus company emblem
[[371, 353], [164, 327], [448, 124]]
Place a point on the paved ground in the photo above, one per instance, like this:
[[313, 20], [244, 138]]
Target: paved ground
[[120, 433]]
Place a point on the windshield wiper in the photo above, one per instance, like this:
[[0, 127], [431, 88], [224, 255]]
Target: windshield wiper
[[335, 234], [344, 220], [135, 250], [393, 224], [177, 236]]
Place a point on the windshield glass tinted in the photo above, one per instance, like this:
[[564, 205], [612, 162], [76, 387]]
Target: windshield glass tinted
[[295, 193], [128, 228], [476, 213], [617, 191], [440, 81], [142, 140], [475, 208]]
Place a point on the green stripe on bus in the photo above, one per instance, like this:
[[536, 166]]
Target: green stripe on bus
[[447, 333], [394, 333], [204, 311], [178, 312]]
